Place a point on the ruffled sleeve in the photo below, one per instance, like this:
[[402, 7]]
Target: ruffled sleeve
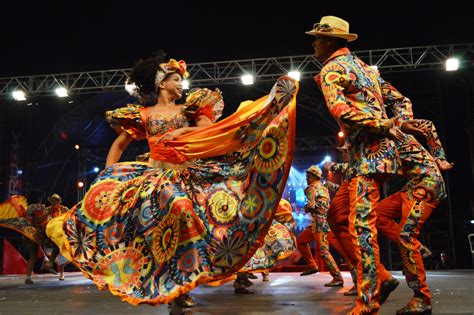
[[127, 119], [204, 102]]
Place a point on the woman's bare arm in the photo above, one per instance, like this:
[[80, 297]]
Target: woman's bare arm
[[117, 148]]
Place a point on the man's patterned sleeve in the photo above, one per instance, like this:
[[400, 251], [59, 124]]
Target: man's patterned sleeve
[[334, 81]]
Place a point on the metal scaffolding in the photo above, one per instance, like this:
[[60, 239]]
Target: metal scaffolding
[[229, 72]]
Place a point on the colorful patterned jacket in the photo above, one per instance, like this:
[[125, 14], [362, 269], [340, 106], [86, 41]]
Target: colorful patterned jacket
[[357, 98], [318, 204]]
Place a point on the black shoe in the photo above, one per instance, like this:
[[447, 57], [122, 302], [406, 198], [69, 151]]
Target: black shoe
[[251, 276], [387, 287], [415, 306], [242, 290], [351, 292], [244, 280], [309, 271], [335, 283], [49, 267]]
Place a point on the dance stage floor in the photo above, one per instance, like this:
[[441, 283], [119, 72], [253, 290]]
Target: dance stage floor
[[286, 293]]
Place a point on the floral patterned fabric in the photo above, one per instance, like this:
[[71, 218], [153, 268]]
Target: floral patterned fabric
[[13, 215], [279, 243], [357, 98], [318, 204], [29, 220], [150, 234]]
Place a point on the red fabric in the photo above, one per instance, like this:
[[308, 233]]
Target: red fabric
[[13, 261], [338, 219], [412, 216], [302, 243]]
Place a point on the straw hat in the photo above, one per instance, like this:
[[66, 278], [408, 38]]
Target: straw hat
[[315, 170], [332, 26], [55, 197]]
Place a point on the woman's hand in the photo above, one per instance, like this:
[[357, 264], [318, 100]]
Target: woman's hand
[[171, 135]]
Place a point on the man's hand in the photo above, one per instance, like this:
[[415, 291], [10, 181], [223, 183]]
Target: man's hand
[[327, 165], [395, 133], [410, 127]]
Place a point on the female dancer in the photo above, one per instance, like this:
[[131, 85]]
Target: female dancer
[[200, 207]]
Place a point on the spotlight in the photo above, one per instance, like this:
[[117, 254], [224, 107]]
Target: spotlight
[[247, 79], [96, 169], [19, 172], [374, 67], [80, 184], [327, 158], [61, 92], [185, 85], [77, 147], [340, 134], [295, 75], [452, 64], [19, 95]]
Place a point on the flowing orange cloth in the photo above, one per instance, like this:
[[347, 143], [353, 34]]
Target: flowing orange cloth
[[221, 138]]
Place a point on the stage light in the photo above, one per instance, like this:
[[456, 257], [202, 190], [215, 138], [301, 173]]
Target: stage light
[[472, 221], [19, 172], [77, 147], [96, 169], [19, 95], [340, 134], [295, 75], [185, 85], [80, 184], [452, 64], [247, 79], [374, 67], [327, 158], [61, 92]]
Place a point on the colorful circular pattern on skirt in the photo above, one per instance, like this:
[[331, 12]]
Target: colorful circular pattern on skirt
[[145, 217], [96, 207], [121, 268], [126, 194], [114, 233], [164, 238], [285, 89], [166, 193], [271, 150], [189, 261], [252, 204], [218, 232], [222, 207]]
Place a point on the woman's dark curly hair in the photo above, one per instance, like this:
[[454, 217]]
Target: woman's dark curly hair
[[143, 76]]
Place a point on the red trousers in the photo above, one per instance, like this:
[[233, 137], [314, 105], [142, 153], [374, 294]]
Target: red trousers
[[338, 219], [413, 214], [322, 247]]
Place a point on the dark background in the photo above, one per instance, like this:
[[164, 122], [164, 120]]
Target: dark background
[[49, 37]]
